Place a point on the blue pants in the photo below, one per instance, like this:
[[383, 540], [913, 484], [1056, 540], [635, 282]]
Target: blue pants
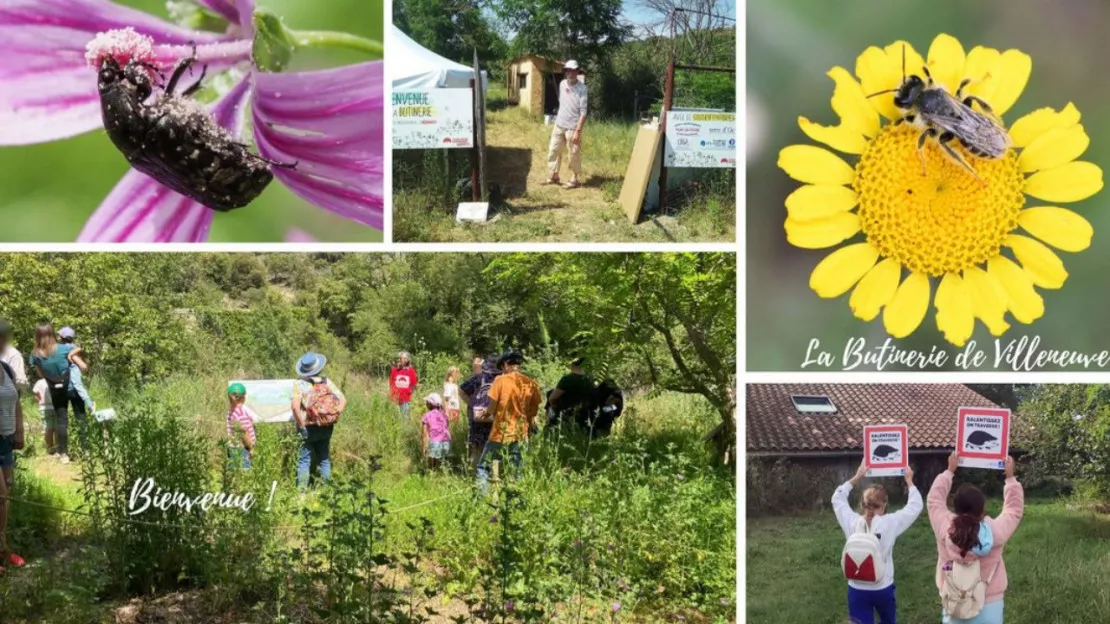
[[315, 451], [496, 450], [863, 603], [239, 457], [404, 409], [991, 614]]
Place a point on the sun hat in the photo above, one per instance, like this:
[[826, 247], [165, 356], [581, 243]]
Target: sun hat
[[67, 332], [570, 65], [434, 400], [311, 364], [236, 389]]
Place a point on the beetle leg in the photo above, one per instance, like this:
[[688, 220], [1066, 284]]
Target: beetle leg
[[196, 85], [272, 163], [180, 68]]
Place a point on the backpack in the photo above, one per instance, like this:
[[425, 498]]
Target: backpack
[[321, 405], [480, 402], [964, 592], [862, 558], [11, 374], [607, 412]]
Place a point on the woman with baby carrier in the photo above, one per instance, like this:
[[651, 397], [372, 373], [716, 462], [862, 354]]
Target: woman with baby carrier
[[971, 575], [867, 558]]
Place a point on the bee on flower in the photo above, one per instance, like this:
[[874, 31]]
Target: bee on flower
[[936, 202]]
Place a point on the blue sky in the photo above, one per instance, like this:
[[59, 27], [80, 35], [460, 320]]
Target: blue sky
[[634, 12]]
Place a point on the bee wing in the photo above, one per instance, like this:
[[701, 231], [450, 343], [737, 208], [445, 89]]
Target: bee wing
[[973, 127]]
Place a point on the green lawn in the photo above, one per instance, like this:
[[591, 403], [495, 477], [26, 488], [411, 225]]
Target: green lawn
[[1058, 564]]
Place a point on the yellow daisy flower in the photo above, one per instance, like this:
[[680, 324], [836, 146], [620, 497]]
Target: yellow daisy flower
[[940, 226]]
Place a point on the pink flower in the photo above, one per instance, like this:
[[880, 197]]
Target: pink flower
[[329, 122]]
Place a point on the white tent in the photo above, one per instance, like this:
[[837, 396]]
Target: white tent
[[416, 67]]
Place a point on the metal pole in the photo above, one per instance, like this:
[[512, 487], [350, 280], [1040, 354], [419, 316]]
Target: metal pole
[[668, 97], [481, 100], [474, 188]]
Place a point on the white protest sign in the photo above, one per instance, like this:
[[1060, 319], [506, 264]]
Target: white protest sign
[[433, 119], [271, 399], [702, 140], [886, 450], [983, 437]]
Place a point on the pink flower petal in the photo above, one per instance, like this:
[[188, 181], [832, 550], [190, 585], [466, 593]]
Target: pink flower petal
[[223, 8], [48, 93], [331, 123], [139, 209]]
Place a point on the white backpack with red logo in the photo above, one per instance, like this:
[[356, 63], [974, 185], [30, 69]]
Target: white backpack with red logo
[[862, 558]]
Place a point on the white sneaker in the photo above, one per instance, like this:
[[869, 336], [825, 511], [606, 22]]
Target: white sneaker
[[64, 459]]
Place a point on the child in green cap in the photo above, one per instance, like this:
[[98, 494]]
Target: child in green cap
[[240, 426]]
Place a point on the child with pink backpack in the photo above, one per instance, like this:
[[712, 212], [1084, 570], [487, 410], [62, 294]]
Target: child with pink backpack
[[867, 559]]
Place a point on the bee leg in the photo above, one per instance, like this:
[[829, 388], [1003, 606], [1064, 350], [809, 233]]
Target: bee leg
[[925, 68], [921, 140], [983, 105], [944, 141]]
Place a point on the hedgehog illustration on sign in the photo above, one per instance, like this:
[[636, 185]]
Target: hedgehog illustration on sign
[[886, 452], [981, 440]]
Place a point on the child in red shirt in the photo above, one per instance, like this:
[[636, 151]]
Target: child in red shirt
[[402, 382]]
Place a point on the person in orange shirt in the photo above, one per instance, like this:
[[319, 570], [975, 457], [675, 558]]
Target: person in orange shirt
[[514, 402]]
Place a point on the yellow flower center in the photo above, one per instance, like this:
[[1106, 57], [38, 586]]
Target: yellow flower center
[[940, 220]]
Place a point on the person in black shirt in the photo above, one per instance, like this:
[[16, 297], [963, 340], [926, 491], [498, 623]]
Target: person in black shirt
[[573, 396]]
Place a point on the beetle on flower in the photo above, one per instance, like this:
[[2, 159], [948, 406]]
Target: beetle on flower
[[329, 122], [938, 223]]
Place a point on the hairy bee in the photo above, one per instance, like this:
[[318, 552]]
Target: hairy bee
[[945, 117]]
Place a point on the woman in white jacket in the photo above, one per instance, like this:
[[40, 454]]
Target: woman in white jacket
[[866, 599]]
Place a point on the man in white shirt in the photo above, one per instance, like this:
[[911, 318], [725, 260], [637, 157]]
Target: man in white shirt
[[11, 356], [567, 130]]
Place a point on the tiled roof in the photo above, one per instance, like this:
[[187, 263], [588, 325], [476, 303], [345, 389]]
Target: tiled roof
[[929, 410]]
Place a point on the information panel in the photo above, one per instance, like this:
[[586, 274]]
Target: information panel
[[983, 437], [886, 450], [271, 399], [702, 140], [433, 119]]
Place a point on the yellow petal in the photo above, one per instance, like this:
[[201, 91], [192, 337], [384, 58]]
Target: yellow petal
[[907, 309], [841, 138], [877, 73], [851, 105], [1067, 183], [988, 299], [822, 233], [983, 68], [810, 202], [1022, 299], [814, 165], [876, 289], [1044, 267], [946, 61], [1056, 147], [1059, 227], [841, 269], [1026, 130], [955, 316], [1016, 67]]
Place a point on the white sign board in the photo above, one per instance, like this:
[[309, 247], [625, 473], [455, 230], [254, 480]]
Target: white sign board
[[886, 450], [433, 119], [271, 399], [700, 140], [472, 211], [983, 437]]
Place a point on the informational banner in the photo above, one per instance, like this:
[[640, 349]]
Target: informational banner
[[433, 119], [886, 450], [983, 437], [271, 399], [700, 140]]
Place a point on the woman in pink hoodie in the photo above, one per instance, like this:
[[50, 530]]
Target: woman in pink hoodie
[[969, 534]]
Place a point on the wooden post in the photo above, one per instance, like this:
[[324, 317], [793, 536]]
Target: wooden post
[[668, 99], [480, 99], [496, 478]]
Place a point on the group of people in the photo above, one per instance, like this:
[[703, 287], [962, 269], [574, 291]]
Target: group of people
[[970, 572], [59, 366], [502, 405]]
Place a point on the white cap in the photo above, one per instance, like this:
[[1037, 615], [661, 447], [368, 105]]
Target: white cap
[[434, 400], [570, 65]]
